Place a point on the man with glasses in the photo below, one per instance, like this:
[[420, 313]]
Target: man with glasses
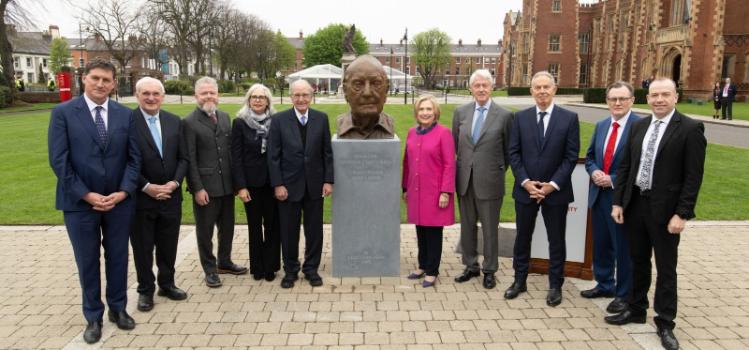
[[656, 190], [611, 263], [300, 164]]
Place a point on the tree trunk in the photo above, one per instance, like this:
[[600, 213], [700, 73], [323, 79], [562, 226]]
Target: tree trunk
[[6, 52]]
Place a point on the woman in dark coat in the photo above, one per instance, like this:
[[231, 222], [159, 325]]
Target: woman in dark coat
[[716, 100], [250, 132]]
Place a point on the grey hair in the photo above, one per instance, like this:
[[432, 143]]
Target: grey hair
[[206, 81], [265, 91], [619, 84], [482, 73], [544, 73], [299, 82], [147, 80]]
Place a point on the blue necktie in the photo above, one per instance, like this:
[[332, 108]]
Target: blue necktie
[[304, 120], [479, 124], [540, 127], [155, 133], [100, 127]]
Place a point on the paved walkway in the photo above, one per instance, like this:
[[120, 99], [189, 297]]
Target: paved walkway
[[40, 304]]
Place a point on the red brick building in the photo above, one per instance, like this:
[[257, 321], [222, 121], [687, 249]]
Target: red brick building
[[694, 42]]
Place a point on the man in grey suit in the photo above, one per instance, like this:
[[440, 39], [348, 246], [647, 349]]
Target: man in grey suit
[[481, 130], [208, 141]]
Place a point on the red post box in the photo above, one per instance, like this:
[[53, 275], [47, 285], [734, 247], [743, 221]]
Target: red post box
[[64, 80]]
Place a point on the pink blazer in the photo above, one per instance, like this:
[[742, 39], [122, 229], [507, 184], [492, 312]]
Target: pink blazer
[[428, 170]]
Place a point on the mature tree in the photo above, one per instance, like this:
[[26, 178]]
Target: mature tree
[[152, 33], [59, 55], [204, 22], [326, 45], [40, 78], [276, 54], [11, 14], [113, 22], [431, 54]]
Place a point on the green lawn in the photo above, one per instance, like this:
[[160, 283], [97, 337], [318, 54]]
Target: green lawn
[[29, 184], [27, 108], [740, 109]]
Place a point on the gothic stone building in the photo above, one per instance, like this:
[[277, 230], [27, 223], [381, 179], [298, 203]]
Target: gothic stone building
[[694, 42]]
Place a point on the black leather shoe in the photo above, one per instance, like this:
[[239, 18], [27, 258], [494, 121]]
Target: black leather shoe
[[233, 269], [258, 276], [314, 279], [554, 297], [489, 281], [624, 317], [145, 302], [288, 280], [616, 306], [122, 319], [270, 276], [212, 280], [466, 275], [92, 334], [596, 293], [173, 293], [515, 289], [668, 339]]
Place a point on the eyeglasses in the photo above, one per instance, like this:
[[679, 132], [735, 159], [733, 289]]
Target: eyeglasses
[[618, 99], [257, 97], [301, 96]]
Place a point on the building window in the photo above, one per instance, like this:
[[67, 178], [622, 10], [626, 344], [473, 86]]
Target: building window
[[44, 62], [554, 43], [729, 65], [457, 60], [746, 69], [556, 6], [16, 62], [30, 77], [28, 62], [554, 71], [680, 12], [457, 70], [583, 75], [584, 39], [398, 60]]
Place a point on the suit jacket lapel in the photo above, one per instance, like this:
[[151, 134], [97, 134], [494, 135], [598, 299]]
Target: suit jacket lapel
[[600, 145], [144, 130], [622, 139], [671, 128], [550, 128], [84, 117], [311, 124], [491, 117], [294, 127]]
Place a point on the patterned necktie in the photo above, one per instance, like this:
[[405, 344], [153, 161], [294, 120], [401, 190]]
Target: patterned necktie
[[608, 155], [304, 120], [213, 118], [155, 133], [101, 128], [478, 125], [540, 128], [646, 169]]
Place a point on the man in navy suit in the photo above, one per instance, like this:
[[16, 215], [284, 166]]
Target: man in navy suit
[[610, 248], [727, 96], [300, 164], [544, 144], [158, 210], [93, 150]]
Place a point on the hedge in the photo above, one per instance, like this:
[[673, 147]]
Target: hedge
[[179, 87], [5, 96]]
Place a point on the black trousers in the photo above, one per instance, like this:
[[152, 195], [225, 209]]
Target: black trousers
[[429, 240], [555, 220], [646, 236], [264, 231], [727, 109], [218, 212], [290, 217], [157, 229]]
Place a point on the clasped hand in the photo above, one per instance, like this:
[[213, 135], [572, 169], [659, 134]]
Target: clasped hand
[[104, 203], [538, 190]]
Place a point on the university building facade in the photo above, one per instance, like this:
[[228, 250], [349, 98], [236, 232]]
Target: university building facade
[[694, 42]]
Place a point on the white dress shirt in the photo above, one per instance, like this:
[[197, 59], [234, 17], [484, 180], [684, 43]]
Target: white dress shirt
[[661, 131], [92, 109]]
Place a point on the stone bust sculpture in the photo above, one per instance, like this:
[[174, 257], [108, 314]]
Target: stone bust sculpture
[[365, 86]]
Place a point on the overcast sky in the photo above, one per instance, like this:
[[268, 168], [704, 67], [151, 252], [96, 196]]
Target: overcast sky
[[386, 19]]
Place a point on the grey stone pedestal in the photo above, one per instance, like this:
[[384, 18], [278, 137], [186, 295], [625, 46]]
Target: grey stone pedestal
[[366, 208]]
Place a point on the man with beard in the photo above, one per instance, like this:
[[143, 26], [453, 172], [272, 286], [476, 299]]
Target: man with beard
[[208, 141], [365, 85]]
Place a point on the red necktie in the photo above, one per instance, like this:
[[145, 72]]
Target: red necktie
[[213, 118], [608, 155]]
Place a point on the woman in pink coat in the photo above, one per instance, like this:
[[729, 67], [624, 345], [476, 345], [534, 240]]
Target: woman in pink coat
[[428, 185]]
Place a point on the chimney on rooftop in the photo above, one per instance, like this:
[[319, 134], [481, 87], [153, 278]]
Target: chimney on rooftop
[[478, 42], [54, 31], [301, 35], [460, 42]]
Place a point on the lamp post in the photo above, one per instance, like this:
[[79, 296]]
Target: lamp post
[[391, 71], [80, 59], [405, 70], [279, 76]]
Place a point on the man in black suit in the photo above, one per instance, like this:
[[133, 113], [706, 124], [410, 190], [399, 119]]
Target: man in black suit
[[727, 96], [544, 145], [300, 163], [208, 140], [656, 190], [158, 210]]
